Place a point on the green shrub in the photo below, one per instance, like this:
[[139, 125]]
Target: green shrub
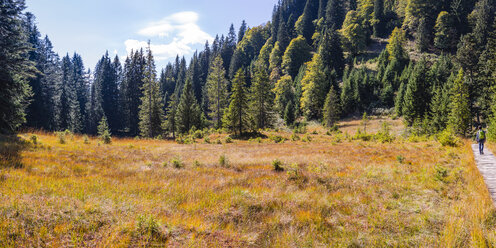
[[207, 140], [219, 142], [106, 137], [400, 159], [61, 137], [34, 139], [228, 140], [277, 138], [384, 135], [359, 135], [223, 162], [277, 164], [177, 163], [441, 173], [448, 138], [180, 140], [307, 138], [197, 163], [86, 140], [295, 137], [315, 132], [198, 134], [150, 228]]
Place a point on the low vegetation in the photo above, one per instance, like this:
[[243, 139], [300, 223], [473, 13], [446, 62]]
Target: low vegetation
[[321, 192]]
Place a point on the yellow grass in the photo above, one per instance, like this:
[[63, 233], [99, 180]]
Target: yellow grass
[[332, 194]]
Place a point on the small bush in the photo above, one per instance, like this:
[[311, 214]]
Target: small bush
[[400, 159], [307, 138], [448, 138], [197, 163], [150, 228], [61, 137], [315, 132], [86, 140], [362, 136], [180, 140], [218, 142], [177, 163], [295, 137], [34, 139], [223, 162], [198, 134], [441, 173], [228, 140], [384, 135], [207, 140], [277, 164], [278, 139]]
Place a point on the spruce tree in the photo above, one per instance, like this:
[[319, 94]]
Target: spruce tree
[[445, 37], [416, 99], [170, 126], [331, 108], [103, 131], [335, 14], [422, 36], [331, 51], [242, 31], [236, 118], [379, 21], [261, 99], [151, 109], [217, 91], [15, 69], [354, 33], [188, 113], [460, 116]]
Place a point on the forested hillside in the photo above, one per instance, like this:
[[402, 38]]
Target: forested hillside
[[431, 62]]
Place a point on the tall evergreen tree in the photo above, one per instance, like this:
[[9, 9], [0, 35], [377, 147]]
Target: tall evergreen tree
[[315, 83], [188, 113], [236, 117], [418, 88], [331, 108], [261, 99], [15, 69], [335, 14], [445, 37], [151, 112], [460, 115], [242, 31], [217, 91]]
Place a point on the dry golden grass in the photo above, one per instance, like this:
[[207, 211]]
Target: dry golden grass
[[332, 193]]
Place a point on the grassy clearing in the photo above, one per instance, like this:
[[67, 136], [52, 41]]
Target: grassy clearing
[[329, 192]]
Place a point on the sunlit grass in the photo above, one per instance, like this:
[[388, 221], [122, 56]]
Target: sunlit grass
[[330, 193]]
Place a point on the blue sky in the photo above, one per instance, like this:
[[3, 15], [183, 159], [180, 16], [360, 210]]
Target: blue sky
[[90, 27]]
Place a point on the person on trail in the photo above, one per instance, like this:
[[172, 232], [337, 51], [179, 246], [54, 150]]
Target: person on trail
[[481, 139]]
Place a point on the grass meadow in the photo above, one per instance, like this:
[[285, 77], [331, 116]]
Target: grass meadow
[[328, 191]]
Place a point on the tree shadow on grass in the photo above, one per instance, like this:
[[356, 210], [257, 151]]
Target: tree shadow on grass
[[10, 151]]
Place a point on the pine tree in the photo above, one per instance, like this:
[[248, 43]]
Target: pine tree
[[289, 113], [103, 131], [242, 31], [335, 14], [304, 26], [379, 21], [217, 91], [440, 107], [422, 36], [236, 118], [261, 99], [484, 17], [416, 99], [331, 108], [460, 116], [445, 36], [188, 113], [170, 125], [151, 109], [15, 69], [331, 51], [131, 91]]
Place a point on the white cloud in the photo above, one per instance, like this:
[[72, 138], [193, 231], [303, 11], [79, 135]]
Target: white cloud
[[181, 28]]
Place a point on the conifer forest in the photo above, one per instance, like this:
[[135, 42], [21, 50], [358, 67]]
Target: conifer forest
[[336, 123]]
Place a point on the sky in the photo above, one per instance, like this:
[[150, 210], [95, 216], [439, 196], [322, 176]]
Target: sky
[[92, 27]]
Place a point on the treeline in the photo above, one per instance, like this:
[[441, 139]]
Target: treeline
[[310, 62]]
